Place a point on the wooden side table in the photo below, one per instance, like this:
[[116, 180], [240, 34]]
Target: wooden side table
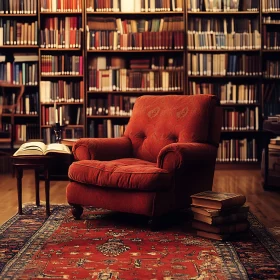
[[38, 163]]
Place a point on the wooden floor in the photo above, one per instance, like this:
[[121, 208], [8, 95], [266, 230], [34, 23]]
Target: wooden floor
[[264, 204]]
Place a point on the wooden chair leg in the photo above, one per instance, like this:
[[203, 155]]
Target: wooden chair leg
[[77, 211]]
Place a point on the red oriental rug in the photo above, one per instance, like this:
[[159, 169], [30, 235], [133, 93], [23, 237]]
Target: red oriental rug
[[109, 245]]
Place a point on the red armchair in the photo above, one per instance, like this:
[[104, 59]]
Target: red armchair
[[168, 152]]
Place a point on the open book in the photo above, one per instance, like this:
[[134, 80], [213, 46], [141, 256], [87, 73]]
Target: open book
[[39, 148]]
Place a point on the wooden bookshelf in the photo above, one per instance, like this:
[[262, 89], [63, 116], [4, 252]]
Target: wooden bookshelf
[[218, 63], [19, 66], [180, 63]]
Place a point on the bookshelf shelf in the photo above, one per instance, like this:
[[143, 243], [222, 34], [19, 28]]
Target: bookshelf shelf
[[18, 15], [19, 47], [62, 76], [224, 13], [135, 51], [60, 13]]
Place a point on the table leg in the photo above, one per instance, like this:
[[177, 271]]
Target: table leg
[[19, 173], [47, 191], [37, 186]]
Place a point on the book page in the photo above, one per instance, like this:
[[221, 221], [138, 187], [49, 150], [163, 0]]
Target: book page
[[57, 148], [31, 148]]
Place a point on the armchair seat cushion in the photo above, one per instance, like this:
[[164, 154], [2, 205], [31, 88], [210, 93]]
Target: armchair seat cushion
[[126, 173]]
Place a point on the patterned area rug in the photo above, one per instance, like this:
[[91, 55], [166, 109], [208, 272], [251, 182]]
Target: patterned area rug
[[108, 245]]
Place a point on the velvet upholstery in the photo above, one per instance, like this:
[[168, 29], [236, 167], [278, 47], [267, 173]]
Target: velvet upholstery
[[167, 153]]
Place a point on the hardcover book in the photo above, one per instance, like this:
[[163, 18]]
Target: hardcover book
[[223, 229], [220, 236], [218, 220], [217, 200], [39, 149], [215, 212]]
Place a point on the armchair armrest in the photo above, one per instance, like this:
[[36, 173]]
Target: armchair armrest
[[178, 156], [102, 148]]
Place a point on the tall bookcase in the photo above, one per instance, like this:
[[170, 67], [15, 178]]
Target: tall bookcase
[[223, 58], [19, 65], [84, 62], [132, 48], [61, 73]]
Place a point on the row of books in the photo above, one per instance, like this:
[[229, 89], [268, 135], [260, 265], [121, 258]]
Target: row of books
[[24, 132], [64, 115], [53, 39], [105, 128], [223, 5], [132, 80], [72, 133], [272, 69], [18, 32], [271, 39], [117, 105], [160, 62], [219, 215], [24, 73], [125, 26], [61, 65], [228, 93], [27, 105], [218, 40], [61, 5], [134, 6], [61, 91], [223, 24], [208, 64], [242, 120], [270, 5], [270, 19], [237, 150], [113, 40], [18, 7]]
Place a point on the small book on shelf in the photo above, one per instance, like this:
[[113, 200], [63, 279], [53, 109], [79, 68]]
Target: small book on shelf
[[217, 200], [40, 149]]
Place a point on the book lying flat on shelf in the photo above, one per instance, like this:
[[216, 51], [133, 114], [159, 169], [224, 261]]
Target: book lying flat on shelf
[[39, 149], [217, 200]]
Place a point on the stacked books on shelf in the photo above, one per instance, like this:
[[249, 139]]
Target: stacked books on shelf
[[219, 215]]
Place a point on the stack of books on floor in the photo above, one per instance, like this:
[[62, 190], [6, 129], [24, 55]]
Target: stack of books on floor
[[219, 215]]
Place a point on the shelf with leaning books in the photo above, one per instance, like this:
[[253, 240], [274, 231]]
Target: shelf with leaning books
[[62, 57], [154, 37], [20, 68], [223, 58]]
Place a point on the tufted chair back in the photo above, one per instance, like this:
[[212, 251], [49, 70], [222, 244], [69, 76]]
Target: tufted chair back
[[157, 121]]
